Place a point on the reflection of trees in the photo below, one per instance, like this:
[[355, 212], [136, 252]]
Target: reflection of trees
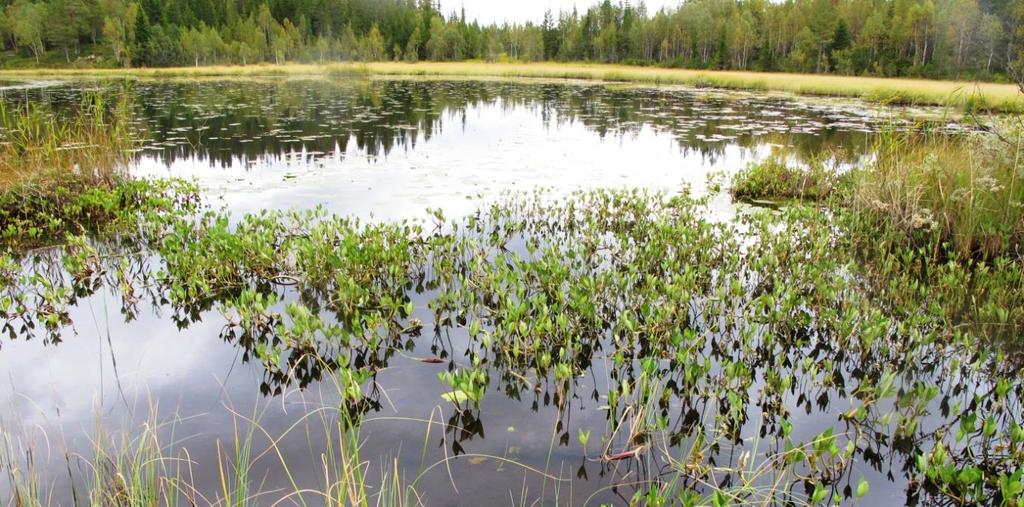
[[734, 377], [229, 122], [677, 355]]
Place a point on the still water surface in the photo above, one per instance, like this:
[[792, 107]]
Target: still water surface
[[389, 150]]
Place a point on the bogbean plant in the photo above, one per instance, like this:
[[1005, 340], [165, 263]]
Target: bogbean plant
[[715, 338], [33, 216], [47, 261], [777, 178]]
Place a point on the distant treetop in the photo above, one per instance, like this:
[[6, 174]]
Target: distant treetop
[[927, 38]]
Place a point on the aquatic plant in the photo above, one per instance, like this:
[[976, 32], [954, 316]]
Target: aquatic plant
[[686, 312], [947, 195], [32, 215], [776, 178], [91, 143], [711, 336]]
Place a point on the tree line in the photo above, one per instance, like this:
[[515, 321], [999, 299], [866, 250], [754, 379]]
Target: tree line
[[927, 38]]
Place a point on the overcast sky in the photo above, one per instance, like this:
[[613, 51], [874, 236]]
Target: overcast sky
[[487, 11]]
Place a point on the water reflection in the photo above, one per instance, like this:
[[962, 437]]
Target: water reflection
[[395, 148], [223, 122], [699, 379]]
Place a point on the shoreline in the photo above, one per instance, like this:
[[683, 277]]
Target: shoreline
[[959, 95]]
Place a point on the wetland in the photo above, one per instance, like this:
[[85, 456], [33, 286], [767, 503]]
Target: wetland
[[325, 291]]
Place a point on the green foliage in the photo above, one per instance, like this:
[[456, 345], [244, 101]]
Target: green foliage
[[952, 38], [786, 301], [90, 144], [61, 175], [466, 386], [731, 320], [958, 196], [777, 179], [32, 214]]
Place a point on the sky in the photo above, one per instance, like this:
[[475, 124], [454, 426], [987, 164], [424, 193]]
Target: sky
[[488, 11]]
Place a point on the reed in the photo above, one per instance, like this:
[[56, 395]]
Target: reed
[[959, 196], [41, 146]]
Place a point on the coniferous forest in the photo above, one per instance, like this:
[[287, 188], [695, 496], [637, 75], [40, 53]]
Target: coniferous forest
[[729, 252], [920, 38]]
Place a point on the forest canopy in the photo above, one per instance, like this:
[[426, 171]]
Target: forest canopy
[[926, 38]]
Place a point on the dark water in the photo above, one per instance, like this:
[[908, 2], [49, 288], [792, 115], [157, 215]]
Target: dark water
[[390, 150]]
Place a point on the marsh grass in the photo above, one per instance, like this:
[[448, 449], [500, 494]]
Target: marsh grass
[[959, 95], [147, 464], [958, 196], [39, 146], [21, 472], [123, 469], [945, 195], [133, 468], [63, 171], [348, 71]]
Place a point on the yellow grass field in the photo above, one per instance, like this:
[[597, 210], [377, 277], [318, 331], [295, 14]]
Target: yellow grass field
[[961, 95]]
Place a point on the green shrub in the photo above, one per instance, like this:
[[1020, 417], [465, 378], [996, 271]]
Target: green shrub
[[776, 179]]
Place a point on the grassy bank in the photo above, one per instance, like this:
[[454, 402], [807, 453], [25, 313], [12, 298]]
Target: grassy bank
[[947, 196], [933, 217], [777, 179], [957, 94], [38, 145], [955, 196]]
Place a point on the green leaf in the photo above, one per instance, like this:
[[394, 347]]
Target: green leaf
[[970, 475], [584, 436], [990, 427], [819, 493], [457, 396], [862, 488], [787, 427]]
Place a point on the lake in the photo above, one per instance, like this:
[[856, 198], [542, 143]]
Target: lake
[[391, 151]]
